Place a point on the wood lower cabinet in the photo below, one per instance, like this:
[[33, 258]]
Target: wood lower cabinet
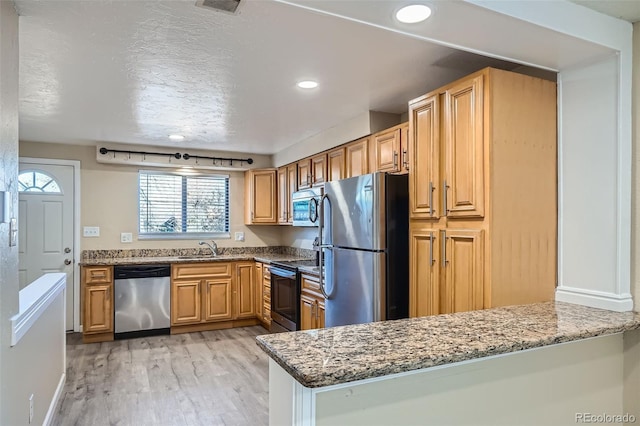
[[483, 193], [261, 206], [97, 303], [244, 291], [211, 293], [311, 303], [446, 271], [266, 295]]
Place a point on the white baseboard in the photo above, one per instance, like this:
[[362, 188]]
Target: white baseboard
[[595, 299], [54, 402]]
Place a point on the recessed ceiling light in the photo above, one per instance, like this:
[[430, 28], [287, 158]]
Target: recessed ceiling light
[[307, 84], [176, 137], [413, 14]]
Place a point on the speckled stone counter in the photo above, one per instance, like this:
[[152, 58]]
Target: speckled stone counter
[[317, 358], [198, 255]]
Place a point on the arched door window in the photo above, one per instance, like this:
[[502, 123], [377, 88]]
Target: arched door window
[[37, 181]]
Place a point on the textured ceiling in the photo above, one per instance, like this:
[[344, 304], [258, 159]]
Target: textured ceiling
[[136, 71]]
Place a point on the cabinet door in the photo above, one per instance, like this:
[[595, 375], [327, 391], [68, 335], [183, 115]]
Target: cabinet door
[[336, 165], [463, 264], [266, 308], [319, 170], [320, 313], [292, 182], [244, 291], [424, 138], [98, 313], [264, 205], [424, 272], [357, 158], [464, 184], [258, 274], [217, 300], [387, 151], [186, 303], [404, 148], [304, 173], [283, 197], [307, 312]]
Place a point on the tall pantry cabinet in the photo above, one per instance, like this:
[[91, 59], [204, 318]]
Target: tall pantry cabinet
[[482, 184]]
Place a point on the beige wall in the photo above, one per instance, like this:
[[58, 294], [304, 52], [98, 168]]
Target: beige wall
[[635, 206], [109, 200]]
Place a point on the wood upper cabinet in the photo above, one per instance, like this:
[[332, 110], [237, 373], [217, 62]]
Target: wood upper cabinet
[[97, 300], [304, 173], [335, 164], [388, 150], [357, 157], [244, 291], [287, 185], [424, 157], [464, 152], [405, 147], [312, 171], [424, 272], [261, 205], [463, 266]]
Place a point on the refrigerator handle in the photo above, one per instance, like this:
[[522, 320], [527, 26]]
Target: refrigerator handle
[[321, 245]]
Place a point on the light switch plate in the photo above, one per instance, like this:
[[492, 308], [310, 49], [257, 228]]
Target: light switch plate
[[239, 236], [126, 237], [91, 231]]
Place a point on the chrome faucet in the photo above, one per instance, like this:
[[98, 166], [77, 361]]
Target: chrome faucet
[[213, 247]]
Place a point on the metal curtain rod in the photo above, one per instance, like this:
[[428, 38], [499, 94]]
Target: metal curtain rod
[[104, 151], [178, 156], [230, 160]]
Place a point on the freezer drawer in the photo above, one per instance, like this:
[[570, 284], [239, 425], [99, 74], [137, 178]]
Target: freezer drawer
[[355, 283]]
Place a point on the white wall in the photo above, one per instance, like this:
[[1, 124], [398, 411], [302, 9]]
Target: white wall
[[35, 365], [635, 249]]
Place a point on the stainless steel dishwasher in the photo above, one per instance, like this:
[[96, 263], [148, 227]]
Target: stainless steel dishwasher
[[142, 300]]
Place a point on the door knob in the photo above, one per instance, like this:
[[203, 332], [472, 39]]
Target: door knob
[[67, 262], [67, 250]]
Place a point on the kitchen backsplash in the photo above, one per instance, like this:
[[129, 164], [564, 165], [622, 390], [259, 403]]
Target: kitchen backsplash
[[119, 254]]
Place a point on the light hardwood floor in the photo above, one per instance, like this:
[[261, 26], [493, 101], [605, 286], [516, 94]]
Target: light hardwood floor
[[208, 378]]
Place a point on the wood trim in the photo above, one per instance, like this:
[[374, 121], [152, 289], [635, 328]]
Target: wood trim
[[98, 337], [97, 274], [207, 326], [201, 270]]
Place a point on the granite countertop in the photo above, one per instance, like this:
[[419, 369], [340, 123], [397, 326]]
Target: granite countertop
[[193, 255], [311, 270], [331, 356], [149, 260]]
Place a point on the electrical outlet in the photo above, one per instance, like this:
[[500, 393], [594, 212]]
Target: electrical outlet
[[239, 236], [91, 231], [126, 237], [30, 408]]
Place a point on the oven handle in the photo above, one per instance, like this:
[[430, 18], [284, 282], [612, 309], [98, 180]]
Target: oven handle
[[282, 272]]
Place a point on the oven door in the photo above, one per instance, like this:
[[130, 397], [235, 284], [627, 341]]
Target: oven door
[[285, 298]]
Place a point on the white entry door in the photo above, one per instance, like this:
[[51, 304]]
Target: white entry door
[[45, 215]]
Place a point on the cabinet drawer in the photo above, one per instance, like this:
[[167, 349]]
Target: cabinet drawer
[[199, 270], [98, 274], [310, 282]]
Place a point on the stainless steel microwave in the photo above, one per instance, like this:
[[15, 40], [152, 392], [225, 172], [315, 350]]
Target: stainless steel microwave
[[305, 206]]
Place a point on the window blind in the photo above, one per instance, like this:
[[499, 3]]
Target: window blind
[[173, 203]]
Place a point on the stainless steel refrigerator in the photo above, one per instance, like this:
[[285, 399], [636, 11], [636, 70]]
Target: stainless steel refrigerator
[[365, 247]]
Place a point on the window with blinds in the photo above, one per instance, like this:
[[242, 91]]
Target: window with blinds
[[176, 205]]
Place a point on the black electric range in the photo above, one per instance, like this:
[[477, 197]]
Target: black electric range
[[285, 294]]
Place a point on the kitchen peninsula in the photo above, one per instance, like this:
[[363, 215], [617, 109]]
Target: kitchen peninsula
[[528, 364]]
